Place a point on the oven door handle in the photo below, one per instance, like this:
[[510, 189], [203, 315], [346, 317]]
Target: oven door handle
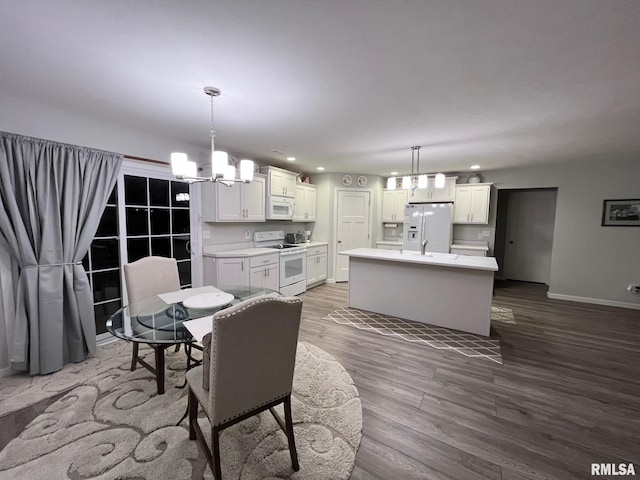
[[296, 252]]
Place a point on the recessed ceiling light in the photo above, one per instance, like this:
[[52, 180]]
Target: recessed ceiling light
[[394, 173], [320, 168], [291, 159], [475, 167]]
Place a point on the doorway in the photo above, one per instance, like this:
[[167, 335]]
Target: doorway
[[353, 220], [524, 233]]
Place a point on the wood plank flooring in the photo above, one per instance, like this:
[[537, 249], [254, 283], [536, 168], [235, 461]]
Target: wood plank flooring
[[567, 395]]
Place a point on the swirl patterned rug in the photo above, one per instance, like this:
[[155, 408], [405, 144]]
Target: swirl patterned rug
[[115, 426]]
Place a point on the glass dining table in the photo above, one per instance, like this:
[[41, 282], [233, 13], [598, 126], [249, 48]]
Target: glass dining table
[[158, 321]]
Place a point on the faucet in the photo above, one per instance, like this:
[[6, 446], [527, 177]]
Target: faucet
[[424, 246]]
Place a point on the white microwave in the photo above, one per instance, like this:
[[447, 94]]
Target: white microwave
[[279, 208]]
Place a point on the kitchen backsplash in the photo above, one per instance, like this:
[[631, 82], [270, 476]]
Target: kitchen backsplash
[[237, 233]]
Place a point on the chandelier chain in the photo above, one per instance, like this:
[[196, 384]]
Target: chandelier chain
[[212, 130]]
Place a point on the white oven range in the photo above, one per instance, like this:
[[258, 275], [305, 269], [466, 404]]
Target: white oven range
[[293, 261]]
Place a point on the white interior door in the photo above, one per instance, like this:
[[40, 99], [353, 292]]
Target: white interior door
[[530, 221], [352, 230]]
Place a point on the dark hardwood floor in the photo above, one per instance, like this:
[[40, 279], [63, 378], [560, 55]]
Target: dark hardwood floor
[[568, 394]]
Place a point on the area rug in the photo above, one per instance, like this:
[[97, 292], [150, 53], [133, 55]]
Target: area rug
[[115, 426], [502, 315], [440, 338]]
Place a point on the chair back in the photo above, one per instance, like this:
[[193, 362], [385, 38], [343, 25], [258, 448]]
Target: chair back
[[253, 353], [151, 276]]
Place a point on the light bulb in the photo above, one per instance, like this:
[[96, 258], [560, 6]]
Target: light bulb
[[391, 183], [178, 163], [246, 170], [191, 169], [422, 181], [219, 162], [229, 173]]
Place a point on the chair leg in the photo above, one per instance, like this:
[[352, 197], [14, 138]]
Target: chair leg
[[215, 444], [193, 414], [289, 432], [134, 357]]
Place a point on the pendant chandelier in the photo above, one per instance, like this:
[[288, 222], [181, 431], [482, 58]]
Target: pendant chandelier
[[416, 179], [221, 170]]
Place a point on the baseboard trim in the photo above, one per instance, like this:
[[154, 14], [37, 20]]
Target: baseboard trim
[[595, 301]]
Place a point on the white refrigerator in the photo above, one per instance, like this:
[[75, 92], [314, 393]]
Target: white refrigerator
[[430, 222]]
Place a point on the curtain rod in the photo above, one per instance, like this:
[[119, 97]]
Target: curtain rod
[[142, 159]]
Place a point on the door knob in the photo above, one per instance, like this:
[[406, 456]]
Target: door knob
[[339, 241], [510, 242]]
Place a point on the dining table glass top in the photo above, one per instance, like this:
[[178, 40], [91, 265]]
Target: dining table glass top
[[160, 319]]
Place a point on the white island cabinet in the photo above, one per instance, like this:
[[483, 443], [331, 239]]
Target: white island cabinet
[[452, 291]]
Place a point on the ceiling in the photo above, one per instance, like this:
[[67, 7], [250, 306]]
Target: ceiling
[[349, 85]]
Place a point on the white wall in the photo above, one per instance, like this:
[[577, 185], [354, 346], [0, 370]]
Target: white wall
[[26, 118], [588, 260]]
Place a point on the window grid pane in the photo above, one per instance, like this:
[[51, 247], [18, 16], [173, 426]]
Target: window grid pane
[[102, 264]]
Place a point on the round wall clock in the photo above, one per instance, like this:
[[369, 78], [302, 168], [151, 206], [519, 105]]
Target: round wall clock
[[346, 180], [362, 181]]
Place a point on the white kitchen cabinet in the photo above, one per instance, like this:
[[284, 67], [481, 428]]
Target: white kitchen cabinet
[[264, 271], [261, 271], [240, 202], [472, 203], [306, 203], [393, 202], [433, 194], [316, 265], [226, 271], [281, 183]]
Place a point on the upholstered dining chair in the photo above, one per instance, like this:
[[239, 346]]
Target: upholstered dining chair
[[147, 277], [248, 368]]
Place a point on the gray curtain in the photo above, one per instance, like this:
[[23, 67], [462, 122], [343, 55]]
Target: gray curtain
[[51, 199]]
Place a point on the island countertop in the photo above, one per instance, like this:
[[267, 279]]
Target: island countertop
[[430, 258]]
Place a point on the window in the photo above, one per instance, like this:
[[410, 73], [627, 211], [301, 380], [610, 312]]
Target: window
[[153, 220], [102, 264], [157, 221]]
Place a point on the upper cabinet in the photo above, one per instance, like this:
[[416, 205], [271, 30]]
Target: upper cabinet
[[393, 202], [280, 182], [240, 202], [472, 203], [306, 202], [433, 194]]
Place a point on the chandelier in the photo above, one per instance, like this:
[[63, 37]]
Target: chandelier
[[416, 179], [221, 170]]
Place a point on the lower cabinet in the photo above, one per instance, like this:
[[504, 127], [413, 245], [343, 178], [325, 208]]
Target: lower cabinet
[[264, 271], [261, 271], [316, 265]]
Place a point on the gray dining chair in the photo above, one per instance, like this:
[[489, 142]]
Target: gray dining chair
[[248, 368], [147, 277]]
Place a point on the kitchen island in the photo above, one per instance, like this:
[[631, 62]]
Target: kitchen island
[[447, 290]]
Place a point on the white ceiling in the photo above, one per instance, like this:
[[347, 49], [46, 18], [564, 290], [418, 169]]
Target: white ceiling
[[347, 84]]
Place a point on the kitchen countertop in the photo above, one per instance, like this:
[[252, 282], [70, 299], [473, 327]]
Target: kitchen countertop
[[388, 242], [251, 252], [437, 259]]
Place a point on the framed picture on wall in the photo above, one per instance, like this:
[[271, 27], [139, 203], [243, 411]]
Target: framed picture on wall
[[621, 213]]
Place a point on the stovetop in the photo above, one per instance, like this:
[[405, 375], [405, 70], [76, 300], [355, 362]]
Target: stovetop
[[274, 239], [287, 245]]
